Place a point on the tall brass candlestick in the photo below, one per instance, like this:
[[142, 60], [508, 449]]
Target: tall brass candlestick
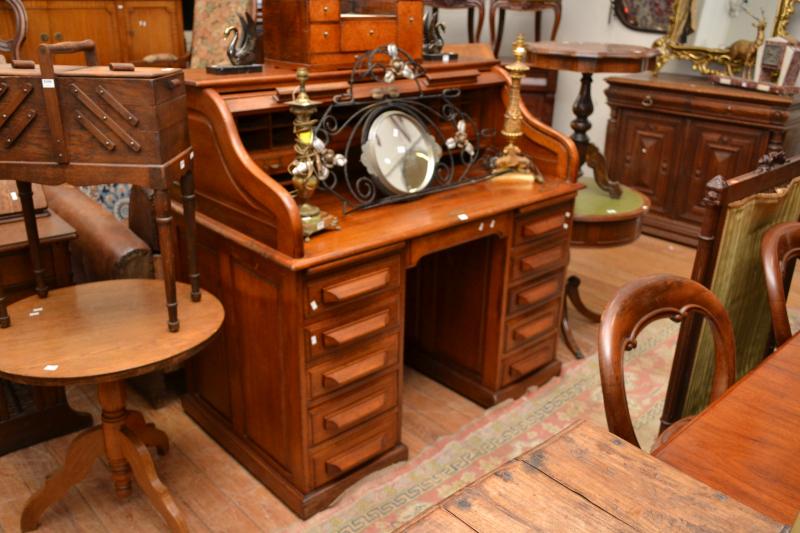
[[513, 157], [307, 166]]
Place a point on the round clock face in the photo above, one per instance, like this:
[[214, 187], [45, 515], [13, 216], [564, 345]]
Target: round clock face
[[399, 153]]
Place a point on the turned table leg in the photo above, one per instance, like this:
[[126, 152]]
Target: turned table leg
[[588, 152], [163, 212], [5, 321], [123, 438], [189, 208], [29, 215]]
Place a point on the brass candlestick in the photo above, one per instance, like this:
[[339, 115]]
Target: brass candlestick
[[513, 157], [312, 162]]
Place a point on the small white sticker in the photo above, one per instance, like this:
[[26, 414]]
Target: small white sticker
[[38, 309], [313, 340], [191, 154], [314, 305], [48, 83], [183, 164], [14, 196], [446, 58], [463, 216], [50, 368], [481, 226], [33, 313]]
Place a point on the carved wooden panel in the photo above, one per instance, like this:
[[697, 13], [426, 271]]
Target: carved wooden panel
[[714, 149], [648, 156]]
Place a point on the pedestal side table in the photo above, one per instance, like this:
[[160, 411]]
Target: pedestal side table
[[102, 333]]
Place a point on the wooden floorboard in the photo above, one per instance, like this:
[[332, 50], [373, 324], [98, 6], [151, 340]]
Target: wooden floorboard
[[217, 494]]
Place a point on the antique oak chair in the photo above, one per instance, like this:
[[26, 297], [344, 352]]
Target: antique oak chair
[[780, 248], [728, 261], [636, 305], [473, 33]]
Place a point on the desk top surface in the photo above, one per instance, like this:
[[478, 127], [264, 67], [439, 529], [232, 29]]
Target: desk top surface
[[387, 225], [586, 479], [747, 443], [52, 228], [102, 331]]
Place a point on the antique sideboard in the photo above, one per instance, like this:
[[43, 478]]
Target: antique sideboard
[[669, 134], [304, 384]]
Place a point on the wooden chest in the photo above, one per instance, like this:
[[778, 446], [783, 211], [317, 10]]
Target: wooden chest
[[97, 116], [331, 33]]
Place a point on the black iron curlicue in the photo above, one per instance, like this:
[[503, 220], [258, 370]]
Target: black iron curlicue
[[385, 64]]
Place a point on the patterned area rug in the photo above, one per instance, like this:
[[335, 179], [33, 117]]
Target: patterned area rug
[[394, 496]]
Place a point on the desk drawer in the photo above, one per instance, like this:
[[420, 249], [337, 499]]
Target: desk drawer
[[349, 410], [353, 448], [362, 362], [323, 38], [538, 259], [535, 292], [528, 360], [347, 330], [525, 328], [365, 34], [550, 222], [323, 11], [331, 291]]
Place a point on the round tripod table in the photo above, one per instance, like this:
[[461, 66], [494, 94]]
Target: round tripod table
[[589, 58], [102, 333], [606, 212]]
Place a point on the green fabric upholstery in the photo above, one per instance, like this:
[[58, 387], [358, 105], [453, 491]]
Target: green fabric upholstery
[[594, 201], [738, 281]]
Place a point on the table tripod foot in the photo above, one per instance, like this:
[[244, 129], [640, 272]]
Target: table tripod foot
[[82, 453], [148, 433], [597, 162], [574, 296], [144, 472]]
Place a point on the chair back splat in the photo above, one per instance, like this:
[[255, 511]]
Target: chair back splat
[[779, 250], [635, 306]]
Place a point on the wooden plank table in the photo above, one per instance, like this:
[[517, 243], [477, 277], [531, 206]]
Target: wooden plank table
[[586, 479], [747, 443]]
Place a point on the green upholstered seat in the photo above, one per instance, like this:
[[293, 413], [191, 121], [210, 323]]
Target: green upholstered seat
[[594, 202]]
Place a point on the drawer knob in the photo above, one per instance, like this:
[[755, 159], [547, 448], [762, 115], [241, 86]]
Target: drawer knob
[[565, 225], [664, 166], [44, 37], [644, 150], [567, 214], [647, 101], [371, 32], [325, 35], [324, 9], [355, 371]]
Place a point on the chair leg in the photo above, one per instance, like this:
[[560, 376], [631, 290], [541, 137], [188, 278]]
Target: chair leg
[[501, 22], [189, 209], [163, 212], [29, 215]]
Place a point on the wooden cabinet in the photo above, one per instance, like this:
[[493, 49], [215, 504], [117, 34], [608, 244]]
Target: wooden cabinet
[[669, 134], [123, 30]]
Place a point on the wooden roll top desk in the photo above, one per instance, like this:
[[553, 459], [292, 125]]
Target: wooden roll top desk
[[304, 384]]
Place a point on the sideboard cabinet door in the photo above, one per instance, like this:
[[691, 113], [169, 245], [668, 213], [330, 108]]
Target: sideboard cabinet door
[[646, 154], [152, 27], [714, 149], [78, 20]]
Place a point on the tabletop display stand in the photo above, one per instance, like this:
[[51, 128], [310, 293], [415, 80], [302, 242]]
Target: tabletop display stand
[[90, 125], [606, 212]]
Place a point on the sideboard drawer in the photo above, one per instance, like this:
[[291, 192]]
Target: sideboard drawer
[[518, 365], [532, 293], [542, 224], [323, 10], [525, 328], [323, 37], [347, 330], [533, 261], [328, 292], [362, 362], [349, 410], [353, 448], [367, 33]]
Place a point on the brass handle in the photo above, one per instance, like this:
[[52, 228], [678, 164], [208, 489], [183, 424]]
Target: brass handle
[[647, 101]]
